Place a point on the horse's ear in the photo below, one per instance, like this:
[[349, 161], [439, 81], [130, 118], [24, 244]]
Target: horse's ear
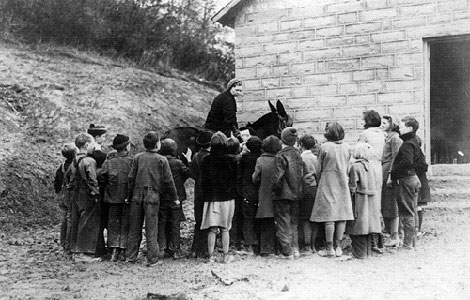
[[280, 109], [273, 109]]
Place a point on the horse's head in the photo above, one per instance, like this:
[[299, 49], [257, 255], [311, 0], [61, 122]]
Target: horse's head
[[284, 119]]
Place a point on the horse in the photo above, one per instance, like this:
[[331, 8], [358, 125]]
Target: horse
[[268, 124]]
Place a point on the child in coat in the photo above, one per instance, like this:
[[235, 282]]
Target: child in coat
[[287, 188], [362, 183], [64, 195], [263, 175], [171, 213], [246, 168], [307, 144], [114, 176], [236, 233], [150, 178]]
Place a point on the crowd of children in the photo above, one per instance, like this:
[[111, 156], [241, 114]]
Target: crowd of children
[[263, 197]]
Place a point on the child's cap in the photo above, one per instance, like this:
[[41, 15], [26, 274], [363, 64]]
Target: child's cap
[[254, 144], [96, 130], [289, 136], [204, 138], [120, 141], [168, 147]]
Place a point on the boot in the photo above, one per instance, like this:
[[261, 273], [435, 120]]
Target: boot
[[328, 252], [114, 255], [122, 255], [410, 232]]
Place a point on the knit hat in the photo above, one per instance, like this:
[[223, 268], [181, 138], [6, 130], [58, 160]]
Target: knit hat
[[69, 150], [289, 136], [96, 130], [120, 141], [232, 82], [254, 144], [204, 138]]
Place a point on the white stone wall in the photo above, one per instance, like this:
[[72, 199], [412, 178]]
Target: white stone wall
[[332, 60]]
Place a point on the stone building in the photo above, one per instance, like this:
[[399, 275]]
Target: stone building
[[333, 59]]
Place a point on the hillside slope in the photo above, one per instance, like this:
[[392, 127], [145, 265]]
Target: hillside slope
[[47, 97]]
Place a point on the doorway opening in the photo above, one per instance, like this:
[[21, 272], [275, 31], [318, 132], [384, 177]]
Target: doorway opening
[[449, 66]]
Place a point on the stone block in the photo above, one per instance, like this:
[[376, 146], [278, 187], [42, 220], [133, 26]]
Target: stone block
[[300, 91], [303, 68], [245, 73], [403, 85], [330, 31], [378, 14], [263, 60], [402, 97], [307, 11], [249, 51], [238, 41], [461, 15], [373, 4], [255, 40], [452, 5], [280, 47], [363, 28], [362, 39], [349, 111], [409, 22], [263, 71], [313, 114], [382, 74], [291, 25], [252, 84], [259, 105], [418, 95], [291, 80], [311, 44], [372, 87], [343, 64], [267, 16], [295, 35], [320, 21], [401, 73], [296, 103], [245, 30], [267, 28], [344, 6], [418, 72], [388, 36], [381, 109], [377, 61], [347, 18], [310, 127], [275, 93], [348, 89], [417, 10], [331, 101], [271, 82], [341, 77], [348, 124], [361, 99], [314, 55], [253, 94], [321, 90], [361, 50], [317, 79], [395, 47], [416, 45], [406, 109], [363, 75], [281, 70], [340, 41], [406, 59], [439, 19], [291, 57]]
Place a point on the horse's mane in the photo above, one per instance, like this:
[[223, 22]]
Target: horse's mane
[[263, 120]]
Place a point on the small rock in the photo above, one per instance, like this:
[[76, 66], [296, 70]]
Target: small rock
[[285, 288]]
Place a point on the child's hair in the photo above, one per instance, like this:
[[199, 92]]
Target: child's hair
[[362, 151], [168, 147], [307, 141], [150, 140], [69, 151], [371, 119], [411, 122], [271, 144], [393, 126], [82, 139], [219, 143], [254, 144], [233, 146], [334, 132]]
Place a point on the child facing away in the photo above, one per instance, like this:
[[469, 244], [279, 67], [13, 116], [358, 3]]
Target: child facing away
[[236, 232], [64, 195], [150, 177], [362, 183], [307, 144], [263, 177], [114, 176], [287, 189], [424, 195], [171, 213], [249, 190], [219, 175]]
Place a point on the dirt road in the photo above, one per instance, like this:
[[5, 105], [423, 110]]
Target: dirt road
[[31, 268]]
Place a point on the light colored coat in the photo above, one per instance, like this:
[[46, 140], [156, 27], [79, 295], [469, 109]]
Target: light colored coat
[[333, 199]]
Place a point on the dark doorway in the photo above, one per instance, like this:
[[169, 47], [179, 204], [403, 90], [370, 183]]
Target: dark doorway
[[450, 100]]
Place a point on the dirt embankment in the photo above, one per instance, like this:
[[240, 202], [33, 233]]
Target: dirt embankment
[[48, 96]]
